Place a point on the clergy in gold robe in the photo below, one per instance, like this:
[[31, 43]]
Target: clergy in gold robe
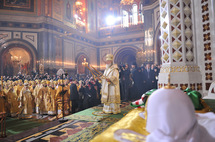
[[6, 90], [67, 85], [36, 91], [25, 98], [51, 106], [32, 88], [19, 87], [42, 98], [110, 87], [12, 100], [2, 99], [59, 99]]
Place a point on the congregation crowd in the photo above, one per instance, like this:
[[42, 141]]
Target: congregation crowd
[[23, 95], [136, 81]]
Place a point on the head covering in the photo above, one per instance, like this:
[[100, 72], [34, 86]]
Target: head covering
[[171, 118], [51, 83], [26, 84], [33, 82], [19, 81], [43, 82], [109, 57], [55, 82], [47, 82]]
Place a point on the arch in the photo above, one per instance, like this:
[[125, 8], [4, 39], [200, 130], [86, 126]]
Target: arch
[[157, 45], [126, 54], [81, 70], [22, 46]]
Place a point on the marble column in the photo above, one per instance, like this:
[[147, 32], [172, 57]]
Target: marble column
[[178, 45], [205, 40]]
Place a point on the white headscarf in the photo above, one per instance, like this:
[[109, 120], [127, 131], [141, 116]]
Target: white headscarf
[[171, 118]]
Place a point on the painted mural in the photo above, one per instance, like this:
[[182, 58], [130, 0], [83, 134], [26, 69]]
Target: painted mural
[[18, 5], [68, 12], [80, 68], [58, 9]]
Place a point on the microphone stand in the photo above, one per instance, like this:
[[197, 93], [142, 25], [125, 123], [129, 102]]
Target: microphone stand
[[62, 94]]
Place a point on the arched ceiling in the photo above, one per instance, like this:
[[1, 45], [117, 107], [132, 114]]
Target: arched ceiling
[[126, 55]]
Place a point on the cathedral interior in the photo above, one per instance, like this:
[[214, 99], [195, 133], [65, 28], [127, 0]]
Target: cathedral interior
[[47, 35], [60, 34]]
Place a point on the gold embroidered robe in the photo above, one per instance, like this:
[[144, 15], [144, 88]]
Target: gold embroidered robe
[[42, 99], [111, 91], [66, 99], [51, 99], [2, 102], [12, 100], [25, 101]]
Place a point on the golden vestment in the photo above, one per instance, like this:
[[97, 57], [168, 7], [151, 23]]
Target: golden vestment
[[33, 96], [12, 100], [51, 106], [18, 89], [25, 101], [36, 91], [66, 99], [110, 90], [42, 99], [7, 106], [2, 102]]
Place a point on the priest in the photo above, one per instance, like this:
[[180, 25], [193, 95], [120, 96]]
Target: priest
[[110, 87], [25, 98]]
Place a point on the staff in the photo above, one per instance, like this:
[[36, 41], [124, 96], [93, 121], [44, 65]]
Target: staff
[[95, 72], [2, 83]]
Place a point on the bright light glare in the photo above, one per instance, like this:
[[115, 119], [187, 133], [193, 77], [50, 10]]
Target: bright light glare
[[118, 18], [76, 16], [110, 20]]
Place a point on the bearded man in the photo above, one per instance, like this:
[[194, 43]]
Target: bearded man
[[110, 87]]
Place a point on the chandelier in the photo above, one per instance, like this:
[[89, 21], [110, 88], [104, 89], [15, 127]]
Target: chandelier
[[16, 59], [84, 63], [78, 4], [126, 2]]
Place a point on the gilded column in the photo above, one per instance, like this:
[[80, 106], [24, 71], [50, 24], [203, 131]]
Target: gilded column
[[178, 45]]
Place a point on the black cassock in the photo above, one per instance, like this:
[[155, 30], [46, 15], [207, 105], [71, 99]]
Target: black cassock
[[74, 97]]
